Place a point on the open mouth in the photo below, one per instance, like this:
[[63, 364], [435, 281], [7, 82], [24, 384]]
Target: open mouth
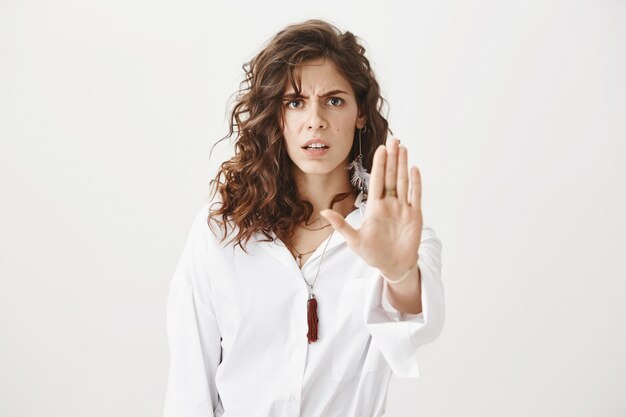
[[315, 147], [315, 151]]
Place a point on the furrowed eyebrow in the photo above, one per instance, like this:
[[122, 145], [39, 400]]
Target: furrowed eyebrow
[[330, 93]]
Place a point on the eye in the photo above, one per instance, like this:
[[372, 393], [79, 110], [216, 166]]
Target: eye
[[336, 98], [293, 101]]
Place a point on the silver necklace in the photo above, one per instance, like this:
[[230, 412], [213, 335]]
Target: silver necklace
[[299, 257]]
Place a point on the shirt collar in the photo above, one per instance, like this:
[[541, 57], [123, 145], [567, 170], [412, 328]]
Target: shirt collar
[[278, 250]]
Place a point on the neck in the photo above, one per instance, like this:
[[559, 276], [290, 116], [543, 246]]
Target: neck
[[319, 190]]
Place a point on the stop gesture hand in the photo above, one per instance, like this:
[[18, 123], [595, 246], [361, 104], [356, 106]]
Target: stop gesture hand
[[390, 233]]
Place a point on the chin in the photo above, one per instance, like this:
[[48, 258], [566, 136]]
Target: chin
[[320, 168], [315, 170]]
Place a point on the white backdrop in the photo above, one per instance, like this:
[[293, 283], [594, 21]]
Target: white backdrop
[[515, 113]]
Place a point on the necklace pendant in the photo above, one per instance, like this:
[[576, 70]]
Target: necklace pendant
[[311, 312]]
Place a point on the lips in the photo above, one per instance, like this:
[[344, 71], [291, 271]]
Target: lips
[[316, 140]]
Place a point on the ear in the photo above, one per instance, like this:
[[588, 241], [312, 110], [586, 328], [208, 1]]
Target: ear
[[360, 121]]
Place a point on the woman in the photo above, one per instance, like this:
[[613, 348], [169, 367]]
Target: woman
[[329, 283]]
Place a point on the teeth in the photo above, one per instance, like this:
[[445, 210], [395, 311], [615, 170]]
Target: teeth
[[317, 145]]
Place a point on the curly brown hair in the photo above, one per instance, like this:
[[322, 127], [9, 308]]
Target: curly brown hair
[[258, 191]]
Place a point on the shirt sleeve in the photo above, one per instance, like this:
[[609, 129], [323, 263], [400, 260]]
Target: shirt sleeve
[[399, 335], [192, 331]]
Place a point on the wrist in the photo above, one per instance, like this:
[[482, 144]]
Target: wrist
[[395, 277]]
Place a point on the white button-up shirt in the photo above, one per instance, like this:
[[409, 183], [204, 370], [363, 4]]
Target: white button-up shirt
[[237, 325]]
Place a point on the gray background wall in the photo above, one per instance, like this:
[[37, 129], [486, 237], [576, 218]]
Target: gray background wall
[[515, 113]]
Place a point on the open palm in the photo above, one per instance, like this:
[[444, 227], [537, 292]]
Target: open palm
[[390, 233]]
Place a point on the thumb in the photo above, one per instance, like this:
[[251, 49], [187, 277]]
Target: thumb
[[339, 224]]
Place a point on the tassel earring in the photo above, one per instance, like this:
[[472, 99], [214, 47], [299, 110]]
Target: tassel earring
[[360, 177]]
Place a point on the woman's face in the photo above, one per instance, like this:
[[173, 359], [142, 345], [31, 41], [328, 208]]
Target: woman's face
[[326, 113]]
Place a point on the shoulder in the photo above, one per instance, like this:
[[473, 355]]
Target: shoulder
[[428, 232], [209, 228]]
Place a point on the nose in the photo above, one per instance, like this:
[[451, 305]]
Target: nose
[[316, 118]]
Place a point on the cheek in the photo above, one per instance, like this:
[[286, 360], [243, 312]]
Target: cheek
[[290, 138], [290, 125]]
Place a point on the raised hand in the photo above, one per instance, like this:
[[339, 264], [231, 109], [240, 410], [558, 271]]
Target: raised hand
[[390, 233]]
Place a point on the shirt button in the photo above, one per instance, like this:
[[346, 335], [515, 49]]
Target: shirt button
[[292, 397]]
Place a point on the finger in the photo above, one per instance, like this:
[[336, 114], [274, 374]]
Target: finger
[[377, 176], [339, 224], [403, 176], [391, 165], [416, 188]]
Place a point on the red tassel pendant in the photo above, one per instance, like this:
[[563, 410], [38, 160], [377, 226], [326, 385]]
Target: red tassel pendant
[[311, 312]]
